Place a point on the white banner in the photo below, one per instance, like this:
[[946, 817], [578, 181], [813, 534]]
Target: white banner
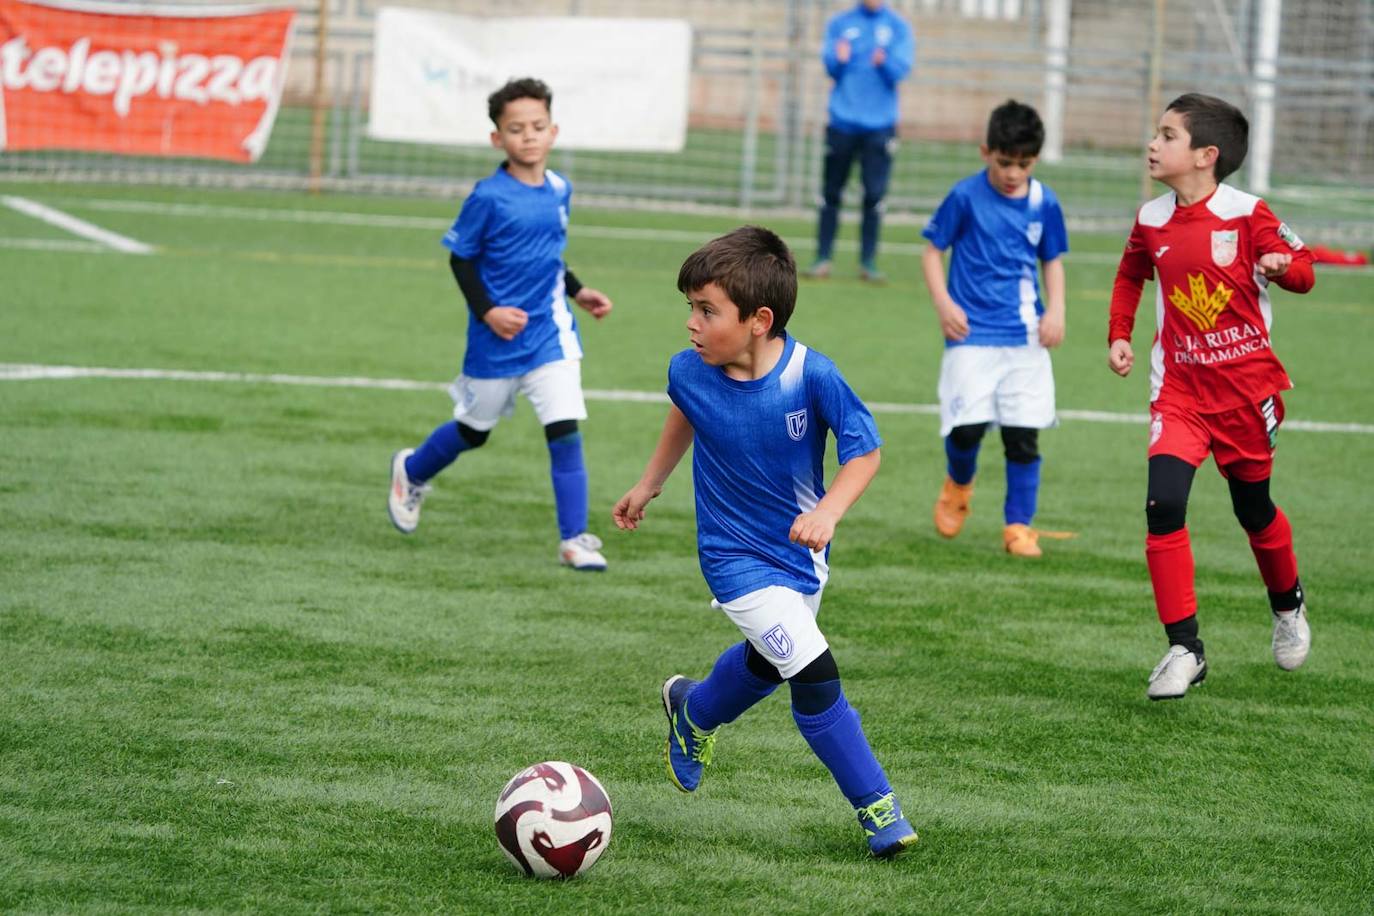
[[618, 84]]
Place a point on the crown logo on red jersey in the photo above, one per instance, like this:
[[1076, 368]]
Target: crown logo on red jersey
[[1201, 307]]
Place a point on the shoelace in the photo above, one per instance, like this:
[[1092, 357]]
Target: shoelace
[[1159, 669], [883, 812], [703, 743], [1286, 631], [415, 494], [588, 540]]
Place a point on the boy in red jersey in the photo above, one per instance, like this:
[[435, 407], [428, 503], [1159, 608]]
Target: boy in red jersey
[[1214, 378]]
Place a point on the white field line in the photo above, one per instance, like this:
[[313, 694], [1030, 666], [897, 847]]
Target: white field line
[[438, 226], [25, 372], [75, 226], [54, 245]]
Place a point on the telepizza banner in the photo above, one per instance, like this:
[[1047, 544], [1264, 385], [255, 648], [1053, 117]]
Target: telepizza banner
[[141, 79]]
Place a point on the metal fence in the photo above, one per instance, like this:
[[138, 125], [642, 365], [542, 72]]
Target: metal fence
[[758, 103]]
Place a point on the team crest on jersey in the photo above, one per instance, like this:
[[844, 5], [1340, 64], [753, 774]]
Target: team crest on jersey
[[1224, 246], [1289, 236], [1156, 427], [1033, 231], [1200, 306], [563, 216], [883, 35], [796, 424], [779, 642]]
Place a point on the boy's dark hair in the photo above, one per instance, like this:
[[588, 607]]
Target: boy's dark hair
[[524, 88], [1015, 128], [753, 266], [1214, 122]]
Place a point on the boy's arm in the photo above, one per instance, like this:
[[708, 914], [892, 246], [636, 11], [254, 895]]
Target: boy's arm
[[1283, 257], [815, 529], [1135, 268], [673, 443], [953, 319], [1052, 322], [504, 320]]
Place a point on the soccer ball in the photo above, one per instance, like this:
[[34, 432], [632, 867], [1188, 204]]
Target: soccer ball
[[553, 820]]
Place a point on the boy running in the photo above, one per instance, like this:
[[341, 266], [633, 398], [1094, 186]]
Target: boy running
[[506, 252], [1214, 378], [756, 406]]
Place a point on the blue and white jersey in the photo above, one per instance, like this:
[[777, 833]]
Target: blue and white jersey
[[516, 234], [758, 462], [997, 241]]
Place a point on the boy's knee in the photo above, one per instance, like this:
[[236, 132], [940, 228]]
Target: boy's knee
[[1250, 501], [558, 429], [475, 438], [820, 670], [1021, 443], [967, 437], [1165, 514]]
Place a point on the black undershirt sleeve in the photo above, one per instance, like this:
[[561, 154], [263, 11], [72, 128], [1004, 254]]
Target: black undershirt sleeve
[[570, 282], [470, 282]]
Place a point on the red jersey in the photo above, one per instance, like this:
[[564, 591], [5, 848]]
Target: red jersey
[[1211, 351]]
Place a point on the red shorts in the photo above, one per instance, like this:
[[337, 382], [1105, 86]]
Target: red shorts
[[1241, 440]]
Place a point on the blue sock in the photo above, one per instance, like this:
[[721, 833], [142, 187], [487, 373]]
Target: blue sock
[[438, 452], [961, 463], [1023, 488], [838, 740], [727, 692], [569, 475]]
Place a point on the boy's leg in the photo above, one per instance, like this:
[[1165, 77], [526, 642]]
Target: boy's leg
[[1022, 447], [961, 465], [833, 730], [875, 168], [411, 469], [1169, 555], [840, 149], [555, 391], [741, 677]]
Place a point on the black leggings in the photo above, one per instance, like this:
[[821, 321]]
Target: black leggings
[[1171, 480]]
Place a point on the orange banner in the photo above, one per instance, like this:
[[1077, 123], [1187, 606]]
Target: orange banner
[[166, 81]]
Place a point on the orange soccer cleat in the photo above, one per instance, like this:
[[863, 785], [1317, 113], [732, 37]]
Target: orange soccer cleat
[[952, 508], [1021, 540]]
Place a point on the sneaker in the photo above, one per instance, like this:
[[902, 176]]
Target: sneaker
[[888, 832], [1179, 670], [1292, 637], [870, 274], [582, 553], [1021, 541], [688, 750], [818, 271], [952, 508], [403, 503]]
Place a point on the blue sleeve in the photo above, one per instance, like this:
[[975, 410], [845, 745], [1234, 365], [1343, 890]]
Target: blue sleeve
[[465, 238], [832, 35], [947, 222], [901, 54], [855, 431], [1054, 238]]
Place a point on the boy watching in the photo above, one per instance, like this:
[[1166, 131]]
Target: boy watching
[[506, 252], [998, 333], [757, 405], [1214, 379]]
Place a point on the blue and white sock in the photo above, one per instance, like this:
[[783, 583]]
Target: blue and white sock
[[438, 451], [838, 740], [569, 474], [1023, 491], [727, 692], [961, 463]]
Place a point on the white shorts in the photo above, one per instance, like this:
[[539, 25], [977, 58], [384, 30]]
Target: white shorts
[[554, 390], [781, 624], [1009, 386]]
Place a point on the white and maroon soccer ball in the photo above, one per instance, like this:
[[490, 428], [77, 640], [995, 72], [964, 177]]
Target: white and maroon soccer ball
[[553, 820]]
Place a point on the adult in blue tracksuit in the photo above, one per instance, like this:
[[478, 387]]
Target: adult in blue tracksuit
[[868, 50]]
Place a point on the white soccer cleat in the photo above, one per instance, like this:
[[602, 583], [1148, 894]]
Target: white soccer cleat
[[582, 553], [1292, 637], [403, 503], [1179, 670]]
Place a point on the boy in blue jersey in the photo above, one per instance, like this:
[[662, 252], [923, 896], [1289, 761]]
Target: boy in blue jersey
[[868, 50], [506, 252], [757, 406], [996, 366]]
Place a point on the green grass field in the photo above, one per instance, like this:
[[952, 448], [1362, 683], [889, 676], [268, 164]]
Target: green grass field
[[229, 685]]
